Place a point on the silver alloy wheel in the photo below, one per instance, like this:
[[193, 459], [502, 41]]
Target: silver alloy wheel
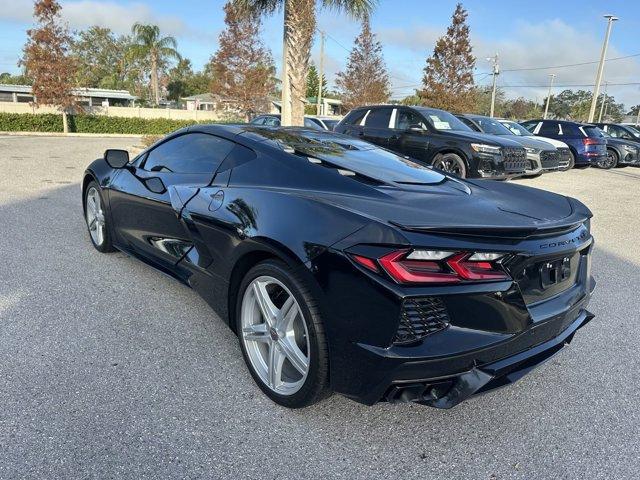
[[95, 216], [275, 336]]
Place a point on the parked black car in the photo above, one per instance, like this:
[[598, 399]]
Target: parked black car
[[623, 132], [316, 123], [345, 267], [438, 138], [620, 152], [544, 157]]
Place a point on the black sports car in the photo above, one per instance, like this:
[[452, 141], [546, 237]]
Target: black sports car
[[344, 267]]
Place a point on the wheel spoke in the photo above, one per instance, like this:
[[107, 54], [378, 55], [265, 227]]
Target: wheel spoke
[[268, 309], [92, 224], [294, 354], [276, 359], [286, 315], [257, 333]]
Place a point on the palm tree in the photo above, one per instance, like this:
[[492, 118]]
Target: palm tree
[[147, 44], [299, 27]]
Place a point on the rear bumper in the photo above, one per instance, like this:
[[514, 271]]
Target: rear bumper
[[448, 392]]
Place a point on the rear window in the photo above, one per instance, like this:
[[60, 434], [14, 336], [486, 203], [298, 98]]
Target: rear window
[[592, 131], [378, 118]]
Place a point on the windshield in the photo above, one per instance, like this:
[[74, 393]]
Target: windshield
[[635, 131], [492, 127], [441, 120], [517, 129], [330, 123], [348, 153]]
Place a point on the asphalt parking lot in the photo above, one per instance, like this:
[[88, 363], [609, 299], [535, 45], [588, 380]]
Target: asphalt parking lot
[[109, 369]]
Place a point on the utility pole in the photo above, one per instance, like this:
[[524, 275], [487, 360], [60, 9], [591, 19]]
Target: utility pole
[[320, 73], [285, 109], [604, 100], [638, 117], [546, 108], [496, 72], [603, 55]]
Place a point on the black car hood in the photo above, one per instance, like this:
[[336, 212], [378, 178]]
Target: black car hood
[[483, 208]]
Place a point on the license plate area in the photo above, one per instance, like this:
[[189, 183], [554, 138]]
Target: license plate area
[[542, 278]]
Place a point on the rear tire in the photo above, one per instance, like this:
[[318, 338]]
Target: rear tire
[[301, 377], [611, 161], [450, 163]]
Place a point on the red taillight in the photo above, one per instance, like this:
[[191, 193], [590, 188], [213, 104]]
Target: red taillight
[[366, 262], [415, 271], [473, 270], [455, 268], [590, 141]]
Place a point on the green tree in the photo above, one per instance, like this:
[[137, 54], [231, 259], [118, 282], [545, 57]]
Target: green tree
[[183, 82], [521, 108], [313, 82], [299, 29], [98, 55], [365, 81], [482, 102], [150, 46], [47, 61], [21, 79], [448, 75]]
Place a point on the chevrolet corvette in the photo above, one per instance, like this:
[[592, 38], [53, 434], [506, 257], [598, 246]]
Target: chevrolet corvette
[[344, 267]]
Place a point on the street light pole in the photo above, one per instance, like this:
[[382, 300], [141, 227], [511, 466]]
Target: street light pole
[[604, 100], [546, 108], [496, 72], [320, 73], [603, 55]]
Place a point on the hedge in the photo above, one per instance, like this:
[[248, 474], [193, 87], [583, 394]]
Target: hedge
[[51, 122]]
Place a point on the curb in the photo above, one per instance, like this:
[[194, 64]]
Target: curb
[[58, 134]]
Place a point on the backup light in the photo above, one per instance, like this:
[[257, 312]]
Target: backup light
[[429, 255]]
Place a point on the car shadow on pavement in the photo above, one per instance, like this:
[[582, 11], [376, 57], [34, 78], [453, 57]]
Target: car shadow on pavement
[[109, 367]]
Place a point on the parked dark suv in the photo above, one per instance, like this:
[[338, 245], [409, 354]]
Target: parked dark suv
[[588, 145], [435, 137], [544, 157]]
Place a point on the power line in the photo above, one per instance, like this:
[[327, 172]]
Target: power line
[[568, 65], [569, 85]]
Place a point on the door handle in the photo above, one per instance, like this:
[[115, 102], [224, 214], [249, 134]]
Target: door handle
[[361, 134]]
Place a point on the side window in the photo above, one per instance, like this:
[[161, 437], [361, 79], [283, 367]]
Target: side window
[[272, 121], [378, 118], [310, 123], [257, 121], [469, 124], [406, 118], [618, 132], [551, 129], [189, 153], [531, 126]]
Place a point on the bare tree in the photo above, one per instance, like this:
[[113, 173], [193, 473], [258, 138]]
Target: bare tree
[[47, 61], [365, 80], [242, 67]]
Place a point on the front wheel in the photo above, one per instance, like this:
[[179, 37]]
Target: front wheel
[[282, 336], [451, 163], [96, 219]]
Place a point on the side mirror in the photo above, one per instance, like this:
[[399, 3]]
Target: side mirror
[[155, 185], [116, 158], [416, 128]]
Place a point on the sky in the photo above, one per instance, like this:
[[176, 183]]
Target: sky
[[533, 34]]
